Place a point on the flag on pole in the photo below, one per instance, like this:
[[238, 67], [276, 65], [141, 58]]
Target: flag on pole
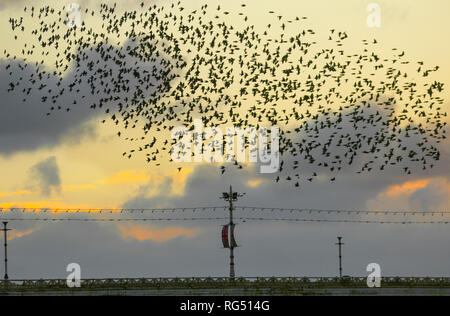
[[228, 236], [232, 240], [225, 236]]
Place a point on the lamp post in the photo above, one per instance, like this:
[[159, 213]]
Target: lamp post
[[340, 243], [230, 197], [5, 230]]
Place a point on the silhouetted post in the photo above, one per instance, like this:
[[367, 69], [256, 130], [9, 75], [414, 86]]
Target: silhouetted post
[[231, 246], [339, 243], [5, 230], [230, 197]]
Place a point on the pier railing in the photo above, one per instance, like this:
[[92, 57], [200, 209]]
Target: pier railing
[[223, 283]]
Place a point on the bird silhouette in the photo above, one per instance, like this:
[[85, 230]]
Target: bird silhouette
[[334, 107]]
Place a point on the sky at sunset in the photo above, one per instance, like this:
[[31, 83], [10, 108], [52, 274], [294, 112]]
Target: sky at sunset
[[72, 160]]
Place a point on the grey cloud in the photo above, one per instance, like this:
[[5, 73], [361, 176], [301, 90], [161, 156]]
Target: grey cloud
[[46, 175], [24, 126], [266, 248], [275, 248], [350, 190], [435, 196]]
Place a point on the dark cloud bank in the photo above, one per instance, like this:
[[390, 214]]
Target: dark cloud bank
[[267, 248], [24, 126]]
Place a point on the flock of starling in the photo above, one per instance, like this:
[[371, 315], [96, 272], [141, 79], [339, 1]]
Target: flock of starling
[[160, 67]]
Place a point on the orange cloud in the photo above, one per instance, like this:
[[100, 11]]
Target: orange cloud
[[36, 205], [16, 234], [436, 196], [141, 233], [152, 181], [179, 180], [406, 188], [253, 183], [22, 192]]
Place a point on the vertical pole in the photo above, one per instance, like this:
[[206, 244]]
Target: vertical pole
[[231, 246], [339, 243], [6, 249]]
